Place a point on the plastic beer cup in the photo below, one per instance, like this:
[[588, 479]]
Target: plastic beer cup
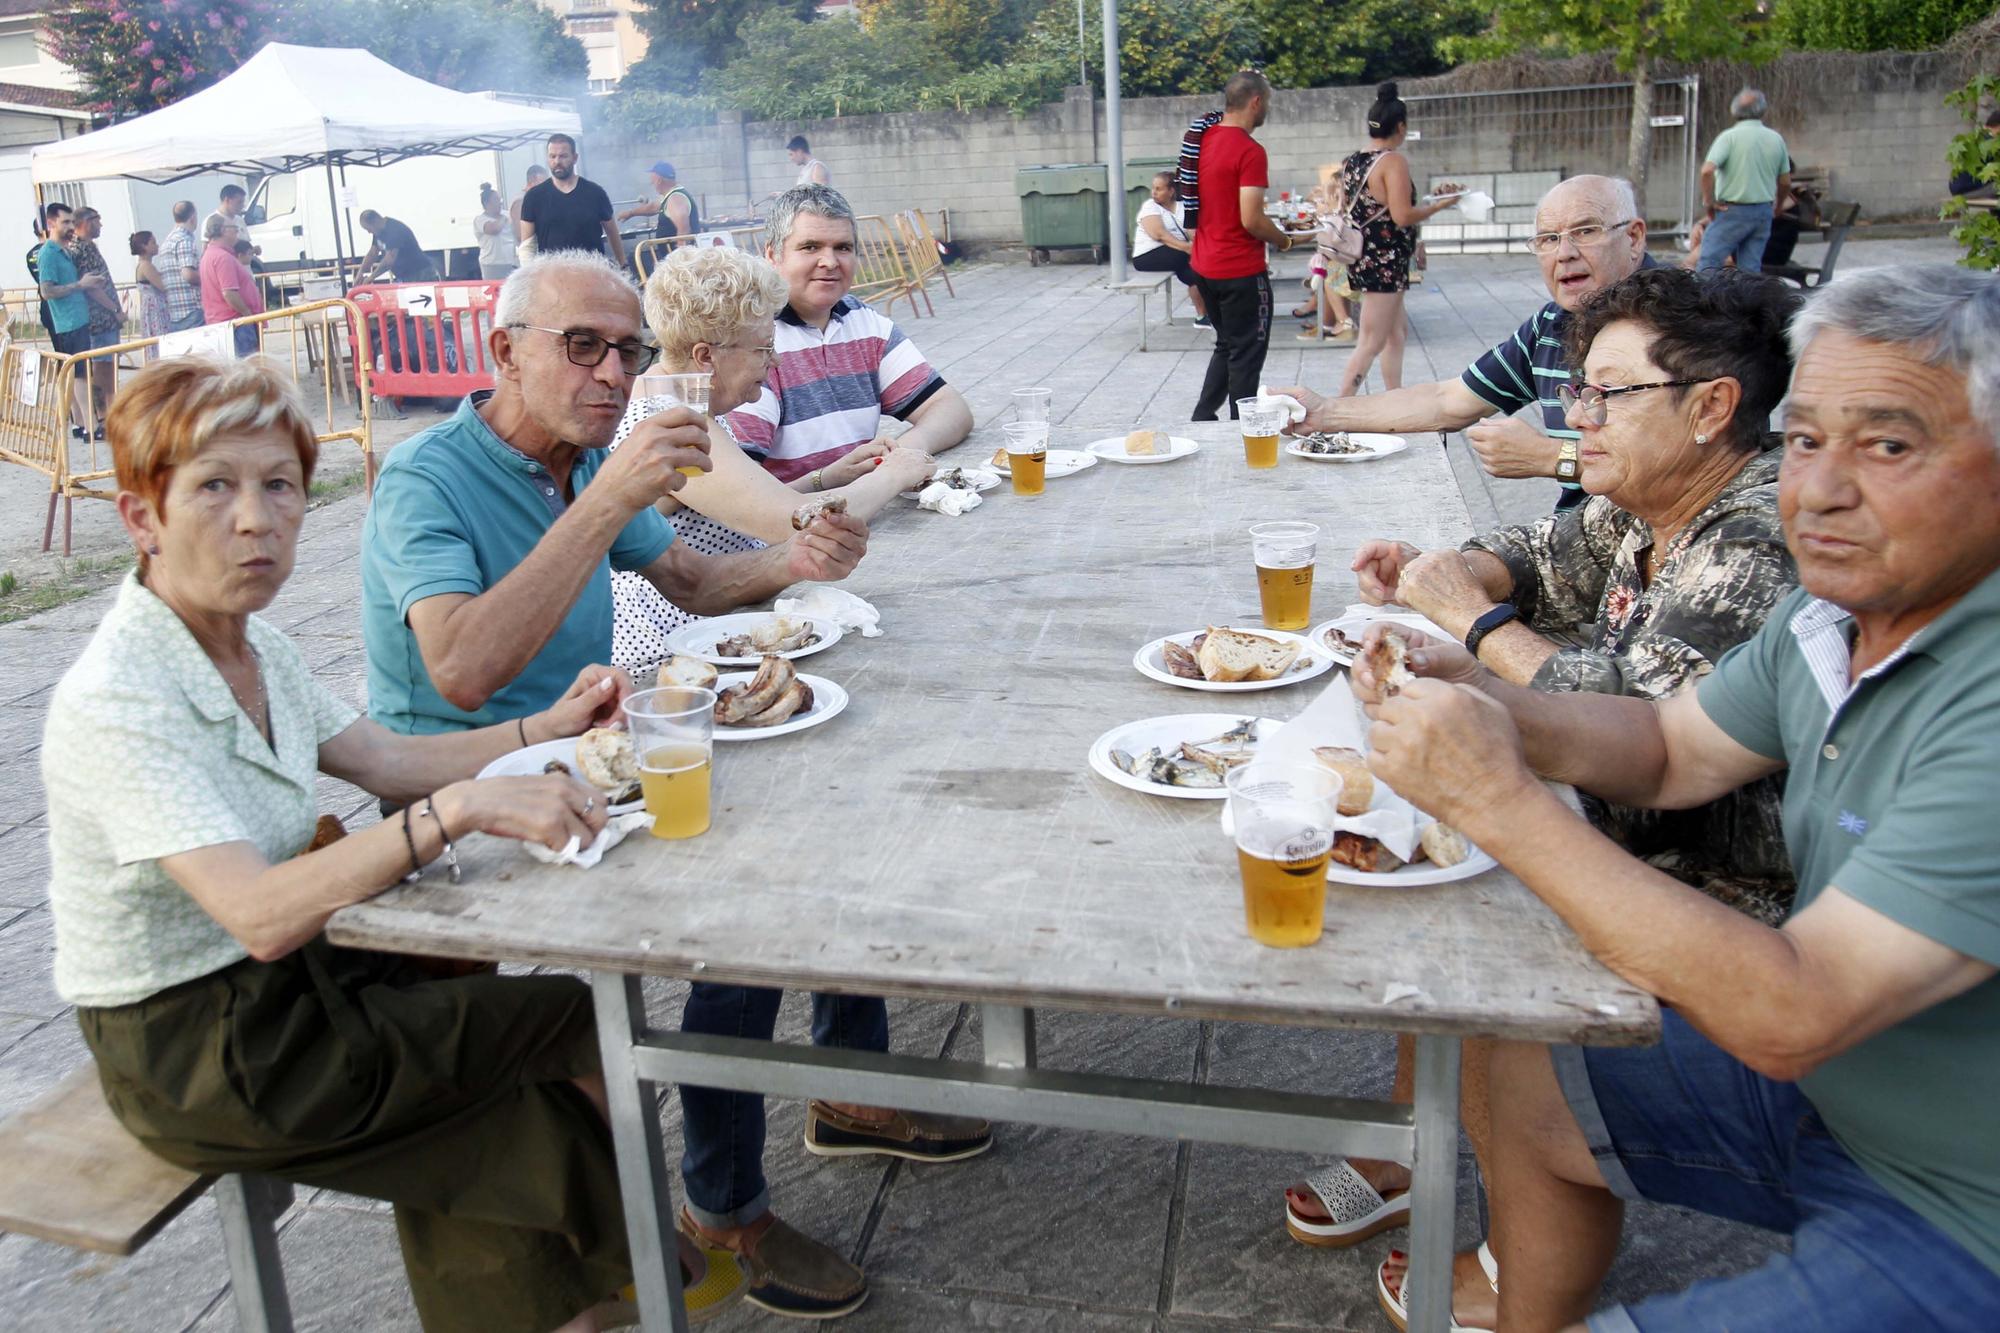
[[1284, 553], [673, 735], [1027, 455], [1284, 835], [1261, 422], [688, 388]]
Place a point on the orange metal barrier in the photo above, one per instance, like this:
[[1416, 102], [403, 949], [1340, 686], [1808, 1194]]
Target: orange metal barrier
[[42, 395], [427, 339]]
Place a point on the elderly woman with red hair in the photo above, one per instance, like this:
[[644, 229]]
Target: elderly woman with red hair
[[180, 761]]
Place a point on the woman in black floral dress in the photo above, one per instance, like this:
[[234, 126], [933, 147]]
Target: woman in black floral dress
[[1382, 198]]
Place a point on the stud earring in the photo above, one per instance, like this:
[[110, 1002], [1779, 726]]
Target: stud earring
[[152, 550], [1701, 439]]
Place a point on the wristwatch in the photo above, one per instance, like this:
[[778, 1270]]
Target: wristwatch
[[1567, 467], [1487, 623]]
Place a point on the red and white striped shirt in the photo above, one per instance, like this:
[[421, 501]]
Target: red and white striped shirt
[[828, 391]]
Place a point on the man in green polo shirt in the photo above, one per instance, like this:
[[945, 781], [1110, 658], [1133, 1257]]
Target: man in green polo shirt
[[1744, 181], [1835, 1078], [487, 554]]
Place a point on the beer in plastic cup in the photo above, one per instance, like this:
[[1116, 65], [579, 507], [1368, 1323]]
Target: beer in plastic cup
[[1261, 422], [1027, 455], [1284, 835], [673, 734], [1284, 554], [688, 388]]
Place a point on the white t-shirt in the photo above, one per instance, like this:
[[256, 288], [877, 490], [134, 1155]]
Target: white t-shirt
[[1170, 221], [806, 172], [498, 247]]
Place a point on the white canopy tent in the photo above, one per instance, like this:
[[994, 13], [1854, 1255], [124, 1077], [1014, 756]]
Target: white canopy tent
[[292, 108]]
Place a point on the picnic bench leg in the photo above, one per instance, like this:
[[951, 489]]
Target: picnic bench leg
[[642, 1160], [250, 1208], [1433, 1184], [1009, 1035]]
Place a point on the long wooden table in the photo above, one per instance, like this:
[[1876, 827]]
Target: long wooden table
[[945, 839]]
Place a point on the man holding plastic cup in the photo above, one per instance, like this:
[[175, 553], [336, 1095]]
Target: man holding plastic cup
[[487, 553]]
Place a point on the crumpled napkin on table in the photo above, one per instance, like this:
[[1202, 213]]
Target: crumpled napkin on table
[[1295, 410], [1334, 719], [575, 854], [948, 499], [823, 602]]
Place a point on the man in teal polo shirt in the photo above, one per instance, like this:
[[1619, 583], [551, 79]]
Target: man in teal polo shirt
[[1745, 180], [1836, 1078], [486, 558]]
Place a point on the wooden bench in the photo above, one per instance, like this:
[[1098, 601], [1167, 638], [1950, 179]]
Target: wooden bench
[[1835, 221], [70, 1173], [1143, 285]]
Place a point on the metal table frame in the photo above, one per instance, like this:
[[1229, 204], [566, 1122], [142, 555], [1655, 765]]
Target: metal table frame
[[1009, 1088]]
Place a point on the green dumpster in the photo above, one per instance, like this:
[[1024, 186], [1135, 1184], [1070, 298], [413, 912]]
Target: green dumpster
[[1062, 208], [1066, 207]]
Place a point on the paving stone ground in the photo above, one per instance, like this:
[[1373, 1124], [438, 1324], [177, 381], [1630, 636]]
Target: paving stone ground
[[1052, 1230]]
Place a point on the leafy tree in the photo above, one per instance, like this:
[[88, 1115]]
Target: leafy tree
[[1977, 153], [135, 56], [1872, 25], [1358, 41], [1640, 34], [1166, 48], [686, 38], [968, 33]]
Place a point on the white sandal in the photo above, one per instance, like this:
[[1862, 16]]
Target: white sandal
[[1399, 1313], [1355, 1209]]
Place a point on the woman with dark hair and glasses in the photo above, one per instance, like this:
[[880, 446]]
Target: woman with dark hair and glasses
[[1677, 557]]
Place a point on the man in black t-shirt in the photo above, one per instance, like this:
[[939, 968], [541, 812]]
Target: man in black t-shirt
[[395, 251], [567, 212]]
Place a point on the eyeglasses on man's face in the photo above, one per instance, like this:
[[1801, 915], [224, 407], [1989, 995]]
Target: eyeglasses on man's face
[[588, 349], [1592, 402], [1582, 237]]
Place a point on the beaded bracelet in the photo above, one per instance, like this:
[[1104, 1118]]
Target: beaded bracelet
[[452, 871]]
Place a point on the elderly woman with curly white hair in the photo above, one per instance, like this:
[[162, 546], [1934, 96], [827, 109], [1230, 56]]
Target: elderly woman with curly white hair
[[712, 310]]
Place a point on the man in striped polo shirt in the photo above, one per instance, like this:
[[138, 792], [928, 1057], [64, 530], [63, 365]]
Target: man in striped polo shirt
[[840, 364], [1588, 236]]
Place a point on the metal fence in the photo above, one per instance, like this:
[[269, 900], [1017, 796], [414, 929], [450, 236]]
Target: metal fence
[[1516, 143], [50, 405]]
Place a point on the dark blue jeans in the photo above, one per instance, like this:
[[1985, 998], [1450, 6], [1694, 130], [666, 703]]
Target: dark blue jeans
[[724, 1131]]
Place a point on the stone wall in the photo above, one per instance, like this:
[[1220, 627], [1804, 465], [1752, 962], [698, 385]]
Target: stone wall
[[1877, 122]]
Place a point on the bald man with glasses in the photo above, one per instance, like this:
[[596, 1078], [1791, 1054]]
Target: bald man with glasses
[[487, 554], [1588, 236]]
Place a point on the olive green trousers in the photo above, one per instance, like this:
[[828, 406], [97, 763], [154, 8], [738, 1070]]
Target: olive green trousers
[[357, 1072]]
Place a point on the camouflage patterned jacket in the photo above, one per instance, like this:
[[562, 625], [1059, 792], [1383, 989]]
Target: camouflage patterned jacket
[[1576, 578]]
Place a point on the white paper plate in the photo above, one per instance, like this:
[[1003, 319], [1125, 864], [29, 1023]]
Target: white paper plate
[[1379, 446], [1062, 463], [1165, 732], [1313, 661], [982, 479], [1413, 875], [1353, 626], [1112, 450], [828, 700], [700, 638], [528, 763]]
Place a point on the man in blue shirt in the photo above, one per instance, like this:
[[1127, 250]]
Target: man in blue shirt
[[1588, 236], [487, 554], [67, 292]]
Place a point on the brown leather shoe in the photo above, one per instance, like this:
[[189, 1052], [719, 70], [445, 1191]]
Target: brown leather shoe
[[915, 1135], [794, 1275]]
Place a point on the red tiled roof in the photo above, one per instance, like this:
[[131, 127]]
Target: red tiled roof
[[27, 94]]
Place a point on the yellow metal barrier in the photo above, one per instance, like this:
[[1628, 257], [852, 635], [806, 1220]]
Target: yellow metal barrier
[[35, 426], [880, 269], [647, 254], [926, 259]]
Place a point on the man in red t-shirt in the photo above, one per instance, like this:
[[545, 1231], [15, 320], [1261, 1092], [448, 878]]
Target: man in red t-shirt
[[1229, 240]]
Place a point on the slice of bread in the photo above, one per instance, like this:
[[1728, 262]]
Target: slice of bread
[[605, 759], [1142, 443], [1357, 784], [1232, 655], [1445, 845], [679, 669], [999, 457]]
